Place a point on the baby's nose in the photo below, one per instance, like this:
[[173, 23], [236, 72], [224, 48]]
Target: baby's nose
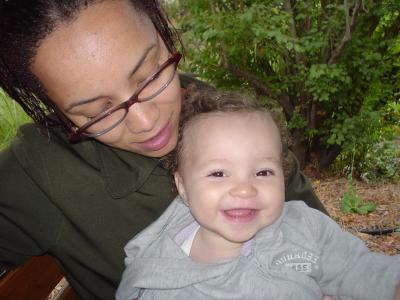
[[243, 189]]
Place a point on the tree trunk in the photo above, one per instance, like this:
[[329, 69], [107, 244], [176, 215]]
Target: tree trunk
[[328, 156], [299, 147]]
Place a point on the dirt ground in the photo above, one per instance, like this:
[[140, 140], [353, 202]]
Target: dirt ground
[[380, 229]]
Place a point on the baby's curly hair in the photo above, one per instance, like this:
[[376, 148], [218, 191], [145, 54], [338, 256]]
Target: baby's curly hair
[[197, 102]]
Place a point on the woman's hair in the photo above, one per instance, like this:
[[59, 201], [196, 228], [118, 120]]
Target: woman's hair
[[198, 102], [25, 23]]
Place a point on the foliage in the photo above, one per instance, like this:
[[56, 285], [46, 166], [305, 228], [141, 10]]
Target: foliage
[[332, 67], [351, 202], [374, 145], [381, 162], [11, 117]]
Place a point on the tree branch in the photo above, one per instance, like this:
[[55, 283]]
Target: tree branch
[[288, 8], [350, 25], [293, 32], [258, 84]]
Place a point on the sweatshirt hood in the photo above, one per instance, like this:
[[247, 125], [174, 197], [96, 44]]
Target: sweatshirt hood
[[156, 261]]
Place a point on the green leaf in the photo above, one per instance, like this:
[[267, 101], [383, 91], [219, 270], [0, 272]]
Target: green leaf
[[370, 206], [366, 208], [345, 207]]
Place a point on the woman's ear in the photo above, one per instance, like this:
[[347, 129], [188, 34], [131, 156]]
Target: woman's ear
[[180, 186]]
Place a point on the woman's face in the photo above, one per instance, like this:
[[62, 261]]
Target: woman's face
[[96, 61]]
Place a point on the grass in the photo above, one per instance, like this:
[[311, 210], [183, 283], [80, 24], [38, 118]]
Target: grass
[[11, 117]]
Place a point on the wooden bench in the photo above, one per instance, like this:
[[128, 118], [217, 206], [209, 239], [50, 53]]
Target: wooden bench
[[37, 279]]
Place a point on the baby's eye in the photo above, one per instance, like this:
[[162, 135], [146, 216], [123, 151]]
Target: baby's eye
[[265, 173], [216, 174]]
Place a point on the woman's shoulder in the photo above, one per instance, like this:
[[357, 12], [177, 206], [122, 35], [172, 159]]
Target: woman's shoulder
[[35, 136], [35, 147]]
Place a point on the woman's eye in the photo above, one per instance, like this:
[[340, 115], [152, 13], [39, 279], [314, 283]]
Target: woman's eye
[[108, 105], [104, 108], [216, 174], [157, 67], [143, 79], [155, 71], [265, 173]]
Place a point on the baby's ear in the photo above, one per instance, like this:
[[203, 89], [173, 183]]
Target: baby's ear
[[180, 186]]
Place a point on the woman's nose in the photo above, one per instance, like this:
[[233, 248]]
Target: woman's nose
[[142, 117], [243, 189]]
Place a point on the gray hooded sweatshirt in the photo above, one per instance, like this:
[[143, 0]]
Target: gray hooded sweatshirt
[[303, 255]]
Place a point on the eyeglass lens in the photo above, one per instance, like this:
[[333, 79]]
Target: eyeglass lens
[[151, 90]]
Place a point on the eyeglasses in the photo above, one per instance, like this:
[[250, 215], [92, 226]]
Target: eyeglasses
[[111, 118]]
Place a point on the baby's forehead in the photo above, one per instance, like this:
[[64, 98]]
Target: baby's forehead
[[240, 114], [202, 120], [253, 127], [208, 135]]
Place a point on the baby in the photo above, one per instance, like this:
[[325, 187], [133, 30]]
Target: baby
[[231, 235]]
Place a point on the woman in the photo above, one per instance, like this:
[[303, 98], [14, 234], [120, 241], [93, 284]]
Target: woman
[[106, 72]]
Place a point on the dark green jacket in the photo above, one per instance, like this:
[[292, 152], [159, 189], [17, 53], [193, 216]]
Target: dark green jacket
[[82, 203]]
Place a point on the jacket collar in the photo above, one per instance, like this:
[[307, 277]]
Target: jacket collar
[[124, 172]]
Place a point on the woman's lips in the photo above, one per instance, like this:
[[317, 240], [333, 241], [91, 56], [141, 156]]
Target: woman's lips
[[240, 215], [158, 141]]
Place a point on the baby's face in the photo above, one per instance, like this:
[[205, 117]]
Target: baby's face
[[230, 174]]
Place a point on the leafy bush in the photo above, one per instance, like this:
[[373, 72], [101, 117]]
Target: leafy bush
[[381, 162], [331, 66], [11, 117], [369, 144]]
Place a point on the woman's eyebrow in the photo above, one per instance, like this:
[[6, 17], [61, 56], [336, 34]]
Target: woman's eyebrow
[[142, 59], [134, 69]]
